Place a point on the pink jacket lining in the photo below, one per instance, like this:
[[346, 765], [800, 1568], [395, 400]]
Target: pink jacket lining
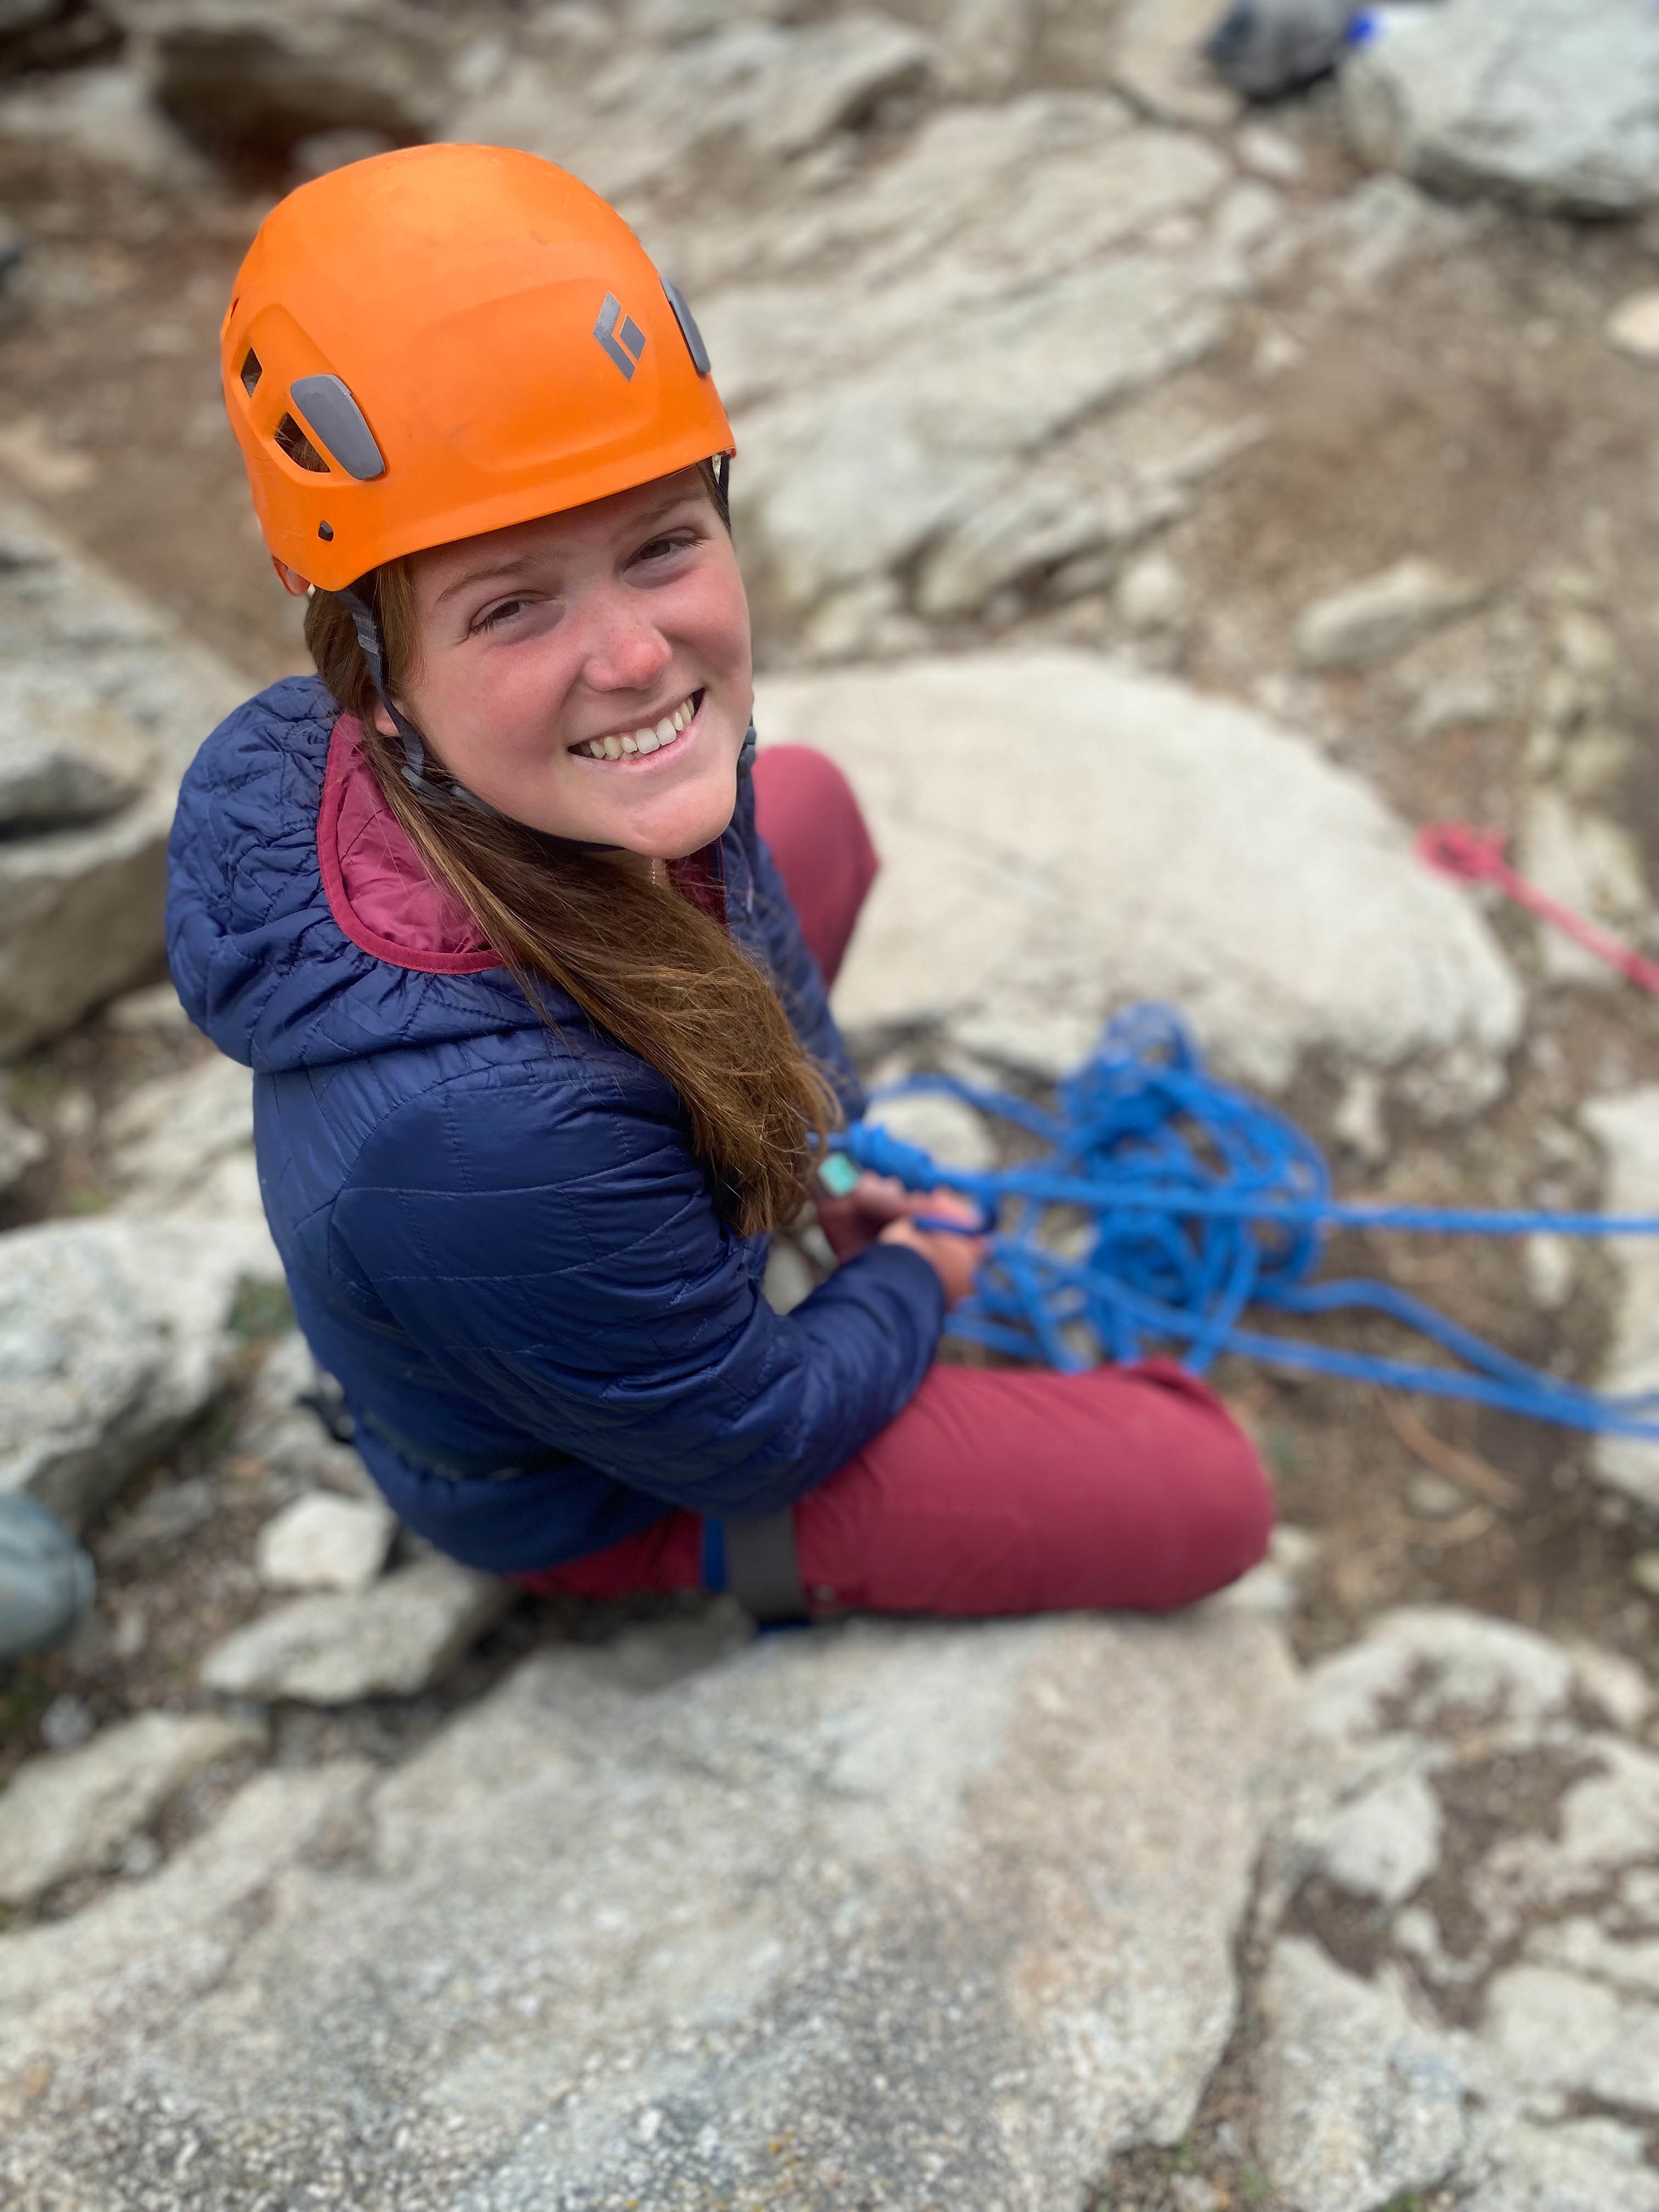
[[378, 890]]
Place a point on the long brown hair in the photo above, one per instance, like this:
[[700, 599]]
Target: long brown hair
[[640, 961]]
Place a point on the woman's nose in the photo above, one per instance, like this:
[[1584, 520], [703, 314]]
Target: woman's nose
[[622, 647]]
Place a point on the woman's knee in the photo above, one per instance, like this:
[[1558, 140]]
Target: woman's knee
[[1224, 1500]]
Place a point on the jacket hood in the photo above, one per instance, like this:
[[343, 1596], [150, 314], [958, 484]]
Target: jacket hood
[[258, 957]]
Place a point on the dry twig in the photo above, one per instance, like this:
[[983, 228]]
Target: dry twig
[[1465, 1468]]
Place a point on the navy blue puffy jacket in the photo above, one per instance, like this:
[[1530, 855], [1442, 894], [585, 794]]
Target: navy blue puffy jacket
[[496, 1235]]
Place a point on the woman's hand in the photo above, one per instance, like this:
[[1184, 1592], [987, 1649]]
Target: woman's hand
[[852, 1222], [881, 1208], [955, 1260]]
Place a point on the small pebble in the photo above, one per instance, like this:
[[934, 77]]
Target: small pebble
[[1644, 1572], [1270, 154], [67, 1724], [1152, 592], [1633, 326], [1358, 1122], [1432, 1498], [1551, 1269], [139, 1856]]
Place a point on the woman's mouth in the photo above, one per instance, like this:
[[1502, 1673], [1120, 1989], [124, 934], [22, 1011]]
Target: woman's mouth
[[629, 744]]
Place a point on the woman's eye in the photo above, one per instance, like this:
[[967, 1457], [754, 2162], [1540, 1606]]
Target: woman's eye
[[504, 611], [660, 549]]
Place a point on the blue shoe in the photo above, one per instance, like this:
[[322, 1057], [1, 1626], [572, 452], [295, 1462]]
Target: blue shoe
[[47, 1580]]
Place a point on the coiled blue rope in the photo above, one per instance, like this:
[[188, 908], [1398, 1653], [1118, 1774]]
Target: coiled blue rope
[[1197, 1203]]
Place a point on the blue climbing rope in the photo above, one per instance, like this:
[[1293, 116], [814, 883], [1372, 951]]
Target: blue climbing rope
[[1167, 1205]]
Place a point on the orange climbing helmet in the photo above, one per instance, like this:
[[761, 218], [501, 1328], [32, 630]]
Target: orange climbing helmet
[[446, 340]]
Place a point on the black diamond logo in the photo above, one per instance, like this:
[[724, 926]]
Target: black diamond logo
[[625, 346]]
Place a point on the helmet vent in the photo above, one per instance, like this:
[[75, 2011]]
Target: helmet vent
[[251, 372], [298, 447]]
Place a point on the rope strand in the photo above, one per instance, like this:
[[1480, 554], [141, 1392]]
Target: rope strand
[[1203, 1204]]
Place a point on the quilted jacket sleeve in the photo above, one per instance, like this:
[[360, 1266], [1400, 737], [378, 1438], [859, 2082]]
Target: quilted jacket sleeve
[[552, 1247]]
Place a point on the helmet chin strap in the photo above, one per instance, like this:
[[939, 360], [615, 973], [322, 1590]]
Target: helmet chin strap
[[365, 621]]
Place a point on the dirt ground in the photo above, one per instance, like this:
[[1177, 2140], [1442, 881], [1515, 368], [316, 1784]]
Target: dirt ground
[[1472, 406]]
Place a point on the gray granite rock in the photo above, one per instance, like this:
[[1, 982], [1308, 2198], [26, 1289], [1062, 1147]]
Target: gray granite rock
[[252, 80], [112, 1337], [1578, 2166], [68, 1813], [1553, 101], [22, 1147], [81, 908], [1385, 1841], [391, 1640], [906, 1916], [63, 759], [1380, 616], [1361, 2104], [1020, 907], [1497, 2035], [183, 1146], [1627, 1128], [325, 1542], [769, 91]]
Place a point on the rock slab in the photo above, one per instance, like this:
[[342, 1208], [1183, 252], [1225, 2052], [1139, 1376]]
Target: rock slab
[[69, 1814], [1478, 2011], [912, 1916], [1061, 834], [391, 1641], [112, 1337], [130, 699], [1553, 101]]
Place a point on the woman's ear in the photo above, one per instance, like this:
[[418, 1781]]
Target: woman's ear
[[292, 582]]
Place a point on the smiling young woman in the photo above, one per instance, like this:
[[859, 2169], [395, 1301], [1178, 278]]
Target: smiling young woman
[[530, 955], [522, 654]]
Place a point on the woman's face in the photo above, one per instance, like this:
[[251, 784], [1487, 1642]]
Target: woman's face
[[589, 673]]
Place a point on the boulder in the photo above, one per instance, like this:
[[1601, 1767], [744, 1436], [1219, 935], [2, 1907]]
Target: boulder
[[104, 115], [68, 1813], [1362, 2105], [1061, 834], [768, 91], [1552, 102], [48, 34], [391, 1641], [238, 78], [113, 1336], [80, 907], [184, 1145], [1005, 278], [1462, 1995], [63, 760], [908, 1916]]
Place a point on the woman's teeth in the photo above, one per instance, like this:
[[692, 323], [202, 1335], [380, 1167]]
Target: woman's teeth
[[642, 741]]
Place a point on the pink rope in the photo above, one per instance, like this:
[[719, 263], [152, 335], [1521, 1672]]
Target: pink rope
[[1474, 856]]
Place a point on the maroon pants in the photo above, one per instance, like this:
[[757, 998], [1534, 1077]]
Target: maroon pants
[[994, 1491]]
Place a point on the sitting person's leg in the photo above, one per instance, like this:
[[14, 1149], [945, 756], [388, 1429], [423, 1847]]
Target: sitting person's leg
[[1007, 1492], [1022, 1491], [805, 811]]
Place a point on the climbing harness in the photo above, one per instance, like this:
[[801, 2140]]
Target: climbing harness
[[1167, 1204], [1476, 856]]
